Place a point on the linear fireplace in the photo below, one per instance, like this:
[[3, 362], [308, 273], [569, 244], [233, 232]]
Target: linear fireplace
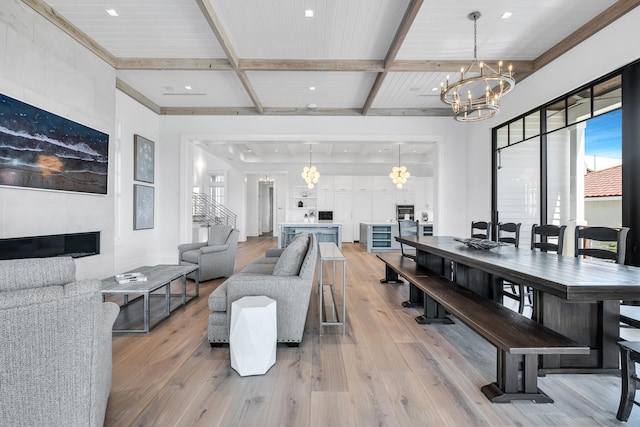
[[75, 245]]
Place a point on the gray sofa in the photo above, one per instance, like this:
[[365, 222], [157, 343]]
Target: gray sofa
[[216, 257], [285, 275], [55, 345]]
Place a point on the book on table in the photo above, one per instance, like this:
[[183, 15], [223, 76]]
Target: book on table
[[130, 277]]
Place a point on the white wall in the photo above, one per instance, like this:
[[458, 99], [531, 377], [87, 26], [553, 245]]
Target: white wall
[[133, 248], [604, 52], [42, 66], [450, 181]]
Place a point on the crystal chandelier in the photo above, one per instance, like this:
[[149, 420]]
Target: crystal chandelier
[[265, 178], [399, 174], [310, 174], [476, 96]]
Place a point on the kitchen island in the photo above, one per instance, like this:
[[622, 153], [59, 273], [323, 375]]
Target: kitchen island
[[381, 236], [324, 231]]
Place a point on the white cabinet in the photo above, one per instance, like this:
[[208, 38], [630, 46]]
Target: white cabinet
[[325, 183], [383, 206], [343, 213], [383, 183], [325, 193], [405, 197], [325, 199], [361, 211], [362, 183], [343, 183]]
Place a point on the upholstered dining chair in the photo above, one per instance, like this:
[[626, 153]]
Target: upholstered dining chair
[[408, 228], [481, 229]]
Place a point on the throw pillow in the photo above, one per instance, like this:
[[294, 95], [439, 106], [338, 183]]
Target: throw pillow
[[290, 261]]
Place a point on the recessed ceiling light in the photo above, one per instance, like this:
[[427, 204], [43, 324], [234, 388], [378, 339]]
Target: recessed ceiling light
[[308, 13], [434, 89], [311, 106], [346, 151], [506, 15], [187, 87], [111, 12], [312, 88]]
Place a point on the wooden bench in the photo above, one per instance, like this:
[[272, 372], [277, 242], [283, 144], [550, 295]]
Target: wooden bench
[[516, 337]]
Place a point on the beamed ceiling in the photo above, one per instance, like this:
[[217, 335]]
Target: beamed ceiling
[[361, 57]]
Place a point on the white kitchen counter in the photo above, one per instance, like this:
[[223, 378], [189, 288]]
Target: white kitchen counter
[[324, 231]]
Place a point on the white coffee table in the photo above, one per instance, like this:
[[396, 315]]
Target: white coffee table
[[253, 335]]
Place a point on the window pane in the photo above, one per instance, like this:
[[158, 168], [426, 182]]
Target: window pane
[[518, 186], [603, 171], [563, 148], [515, 131], [579, 106], [503, 136], [555, 116], [532, 125], [607, 96]]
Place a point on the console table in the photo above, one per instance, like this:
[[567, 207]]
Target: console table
[[329, 252]]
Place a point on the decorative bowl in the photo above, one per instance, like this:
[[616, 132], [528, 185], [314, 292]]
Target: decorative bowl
[[479, 243]]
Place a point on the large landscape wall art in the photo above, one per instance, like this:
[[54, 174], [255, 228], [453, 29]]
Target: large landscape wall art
[[39, 149]]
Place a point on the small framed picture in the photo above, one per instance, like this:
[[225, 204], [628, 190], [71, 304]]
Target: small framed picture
[[143, 207], [144, 159]]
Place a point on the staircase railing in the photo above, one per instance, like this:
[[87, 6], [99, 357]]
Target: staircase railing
[[207, 212]]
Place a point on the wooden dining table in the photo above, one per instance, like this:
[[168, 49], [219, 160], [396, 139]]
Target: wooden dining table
[[576, 297]]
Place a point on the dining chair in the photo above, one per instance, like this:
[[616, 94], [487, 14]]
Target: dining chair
[[509, 232], [608, 243], [540, 235], [408, 228], [481, 230], [542, 239]]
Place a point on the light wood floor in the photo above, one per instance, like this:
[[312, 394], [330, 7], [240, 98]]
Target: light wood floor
[[386, 371]]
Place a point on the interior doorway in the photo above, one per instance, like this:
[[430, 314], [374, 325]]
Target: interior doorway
[[265, 207]]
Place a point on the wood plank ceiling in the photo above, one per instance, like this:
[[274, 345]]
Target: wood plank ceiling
[[361, 57]]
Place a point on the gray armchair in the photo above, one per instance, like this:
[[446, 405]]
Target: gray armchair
[[55, 351], [215, 257], [284, 275]]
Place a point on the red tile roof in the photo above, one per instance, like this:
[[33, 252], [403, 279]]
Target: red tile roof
[[603, 183]]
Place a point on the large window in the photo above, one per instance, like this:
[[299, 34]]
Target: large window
[[559, 163]]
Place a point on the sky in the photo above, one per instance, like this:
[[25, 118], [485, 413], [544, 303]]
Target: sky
[[603, 135]]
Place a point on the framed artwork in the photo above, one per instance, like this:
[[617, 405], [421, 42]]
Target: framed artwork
[[143, 157], [143, 206], [42, 150]]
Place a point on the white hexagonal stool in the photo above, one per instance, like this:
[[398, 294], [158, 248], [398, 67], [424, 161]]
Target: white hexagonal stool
[[253, 335]]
